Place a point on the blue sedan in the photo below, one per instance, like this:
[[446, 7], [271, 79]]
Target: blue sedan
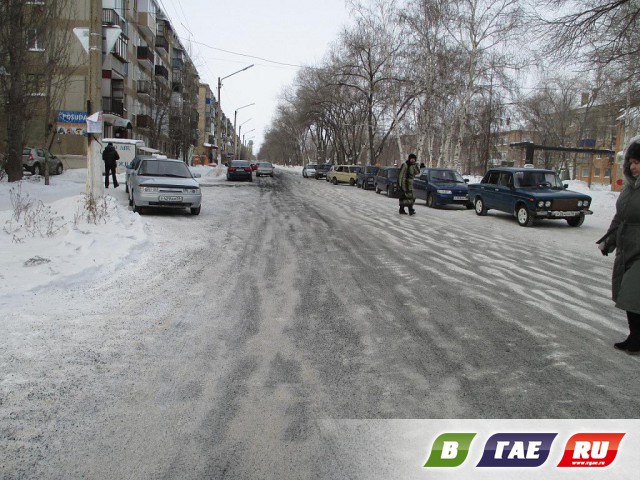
[[441, 186]]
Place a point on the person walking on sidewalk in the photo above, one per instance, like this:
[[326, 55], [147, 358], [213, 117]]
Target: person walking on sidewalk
[[408, 172], [623, 236], [110, 157]]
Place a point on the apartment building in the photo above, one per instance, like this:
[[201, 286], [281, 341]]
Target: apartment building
[[150, 87]]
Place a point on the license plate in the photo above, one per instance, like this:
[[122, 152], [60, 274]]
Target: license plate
[[460, 198], [566, 214], [167, 198]]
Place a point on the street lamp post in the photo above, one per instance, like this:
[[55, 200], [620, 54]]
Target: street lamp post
[[219, 115], [240, 129], [248, 131], [235, 138]]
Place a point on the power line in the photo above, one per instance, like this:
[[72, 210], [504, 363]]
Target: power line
[[250, 56]]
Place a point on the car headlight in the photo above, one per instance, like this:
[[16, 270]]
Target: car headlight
[[579, 203], [149, 189], [444, 192], [194, 191], [585, 203], [547, 203], [540, 204]]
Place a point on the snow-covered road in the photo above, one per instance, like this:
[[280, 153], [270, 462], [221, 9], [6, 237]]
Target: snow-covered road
[[219, 346]]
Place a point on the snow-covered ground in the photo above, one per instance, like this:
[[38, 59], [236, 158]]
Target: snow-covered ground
[[55, 244]]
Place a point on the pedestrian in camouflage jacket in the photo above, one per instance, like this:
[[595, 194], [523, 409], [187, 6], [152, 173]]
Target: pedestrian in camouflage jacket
[[408, 171]]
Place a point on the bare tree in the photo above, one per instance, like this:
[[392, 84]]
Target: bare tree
[[34, 59]]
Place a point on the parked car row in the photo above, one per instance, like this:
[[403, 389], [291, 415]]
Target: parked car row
[[527, 193]]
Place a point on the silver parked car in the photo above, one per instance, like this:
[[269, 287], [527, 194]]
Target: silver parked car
[[33, 161], [265, 168], [163, 183], [309, 170]]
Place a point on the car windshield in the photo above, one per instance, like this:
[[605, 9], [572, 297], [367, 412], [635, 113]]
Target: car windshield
[[537, 179], [446, 176], [264, 164], [312, 166], [393, 172], [373, 170], [324, 167], [159, 168]]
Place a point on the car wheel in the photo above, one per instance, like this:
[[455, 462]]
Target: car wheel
[[135, 208], [36, 170], [431, 203], [352, 182], [304, 175], [196, 211], [130, 200], [59, 169], [525, 219], [480, 207], [251, 178], [576, 221], [378, 190], [334, 181], [388, 192]]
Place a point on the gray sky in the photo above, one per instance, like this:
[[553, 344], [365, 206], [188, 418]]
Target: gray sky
[[296, 32]]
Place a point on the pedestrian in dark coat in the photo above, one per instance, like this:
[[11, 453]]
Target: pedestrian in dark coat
[[408, 171], [110, 157], [623, 236]]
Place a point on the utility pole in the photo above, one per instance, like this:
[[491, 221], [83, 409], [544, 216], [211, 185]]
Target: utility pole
[[94, 185]]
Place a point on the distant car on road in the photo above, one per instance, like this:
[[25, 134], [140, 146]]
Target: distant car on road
[[309, 170], [240, 170], [343, 174], [264, 168], [441, 186], [529, 194], [321, 171], [386, 180], [366, 177], [33, 161], [163, 183]]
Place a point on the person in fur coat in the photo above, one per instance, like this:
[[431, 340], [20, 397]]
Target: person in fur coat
[[623, 236]]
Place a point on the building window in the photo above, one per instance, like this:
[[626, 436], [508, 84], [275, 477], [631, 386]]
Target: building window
[[35, 40], [607, 172], [585, 172], [596, 171]]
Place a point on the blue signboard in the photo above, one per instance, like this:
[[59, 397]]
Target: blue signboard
[[71, 117]]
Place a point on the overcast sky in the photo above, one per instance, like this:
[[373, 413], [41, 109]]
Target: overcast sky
[[295, 32]]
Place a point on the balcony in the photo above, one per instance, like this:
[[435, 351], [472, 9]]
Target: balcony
[[144, 121], [177, 63], [162, 71], [146, 56], [162, 42], [110, 18], [147, 23], [112, 105], [176, 81], [143, 87]]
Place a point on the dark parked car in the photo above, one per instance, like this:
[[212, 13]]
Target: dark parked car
[[240, 170], [441, 186], [386, 180], [33, 161], [366, 177], [321, 170], [529, 193]]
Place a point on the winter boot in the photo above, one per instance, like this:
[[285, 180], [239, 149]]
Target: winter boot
[[412, 211], [633, 342], [401, 211]]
